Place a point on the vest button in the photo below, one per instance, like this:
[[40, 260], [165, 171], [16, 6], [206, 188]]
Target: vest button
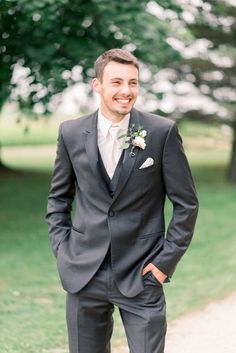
[[111, 213]]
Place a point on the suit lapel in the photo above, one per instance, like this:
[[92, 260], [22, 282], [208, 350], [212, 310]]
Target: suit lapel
[[128, 161], [91, 148]]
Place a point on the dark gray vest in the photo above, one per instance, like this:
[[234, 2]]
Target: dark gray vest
[[111, 184]]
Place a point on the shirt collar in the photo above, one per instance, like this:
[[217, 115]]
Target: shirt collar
[[104, 124]]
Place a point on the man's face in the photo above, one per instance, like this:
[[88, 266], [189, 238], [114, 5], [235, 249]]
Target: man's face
[[118, 90]]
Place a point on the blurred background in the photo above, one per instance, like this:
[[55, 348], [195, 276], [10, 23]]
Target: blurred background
[[188, 73]]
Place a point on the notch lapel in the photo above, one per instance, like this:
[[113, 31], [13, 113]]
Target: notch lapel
[[91, 148], [128, 161]]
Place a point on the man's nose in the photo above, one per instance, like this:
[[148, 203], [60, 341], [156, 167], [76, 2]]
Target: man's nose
[[125, 88]]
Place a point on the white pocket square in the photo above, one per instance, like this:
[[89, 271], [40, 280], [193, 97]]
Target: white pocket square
[[149, 161]]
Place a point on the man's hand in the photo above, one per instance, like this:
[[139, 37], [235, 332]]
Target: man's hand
[[160, 276]]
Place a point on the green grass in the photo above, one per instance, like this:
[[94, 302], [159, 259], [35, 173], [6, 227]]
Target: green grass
[[32, 315], [37, 158], [207, 270], [28, 132]]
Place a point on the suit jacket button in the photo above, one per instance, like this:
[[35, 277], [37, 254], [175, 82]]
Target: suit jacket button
[[111, 213]]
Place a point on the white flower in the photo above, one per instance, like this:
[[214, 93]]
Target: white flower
[[139, 142], [134, 137], [143, 133]]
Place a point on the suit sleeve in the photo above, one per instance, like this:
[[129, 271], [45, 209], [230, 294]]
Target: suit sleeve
[[181, 192], [61, 196]]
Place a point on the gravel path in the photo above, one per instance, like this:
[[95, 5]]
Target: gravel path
[[211, 330]]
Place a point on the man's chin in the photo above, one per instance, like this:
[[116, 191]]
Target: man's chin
[[124, 110]]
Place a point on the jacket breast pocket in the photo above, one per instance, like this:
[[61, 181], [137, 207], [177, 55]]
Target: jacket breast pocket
[[141, 171]]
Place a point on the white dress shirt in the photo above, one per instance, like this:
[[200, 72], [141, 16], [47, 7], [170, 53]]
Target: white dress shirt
[[104, 140]]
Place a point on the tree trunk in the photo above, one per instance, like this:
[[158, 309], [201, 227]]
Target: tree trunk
[[231, 174], [3, 168]]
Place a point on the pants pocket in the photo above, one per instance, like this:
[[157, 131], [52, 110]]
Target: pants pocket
[[150, 280]]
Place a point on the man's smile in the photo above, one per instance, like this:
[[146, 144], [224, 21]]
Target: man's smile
[[122, 100]]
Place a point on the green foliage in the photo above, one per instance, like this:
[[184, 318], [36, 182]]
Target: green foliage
[[217, 70], [50, 37], [205, 38], [206, 75]]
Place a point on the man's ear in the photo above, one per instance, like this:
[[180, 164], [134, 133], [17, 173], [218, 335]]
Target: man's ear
[[96, 85]]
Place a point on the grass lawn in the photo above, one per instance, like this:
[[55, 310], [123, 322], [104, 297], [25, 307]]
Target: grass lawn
[[31, 299]]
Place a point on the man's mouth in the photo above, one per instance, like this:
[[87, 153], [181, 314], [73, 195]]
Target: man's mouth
[[123, 100]]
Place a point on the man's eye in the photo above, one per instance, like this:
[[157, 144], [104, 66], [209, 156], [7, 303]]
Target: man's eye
[[116, 82]]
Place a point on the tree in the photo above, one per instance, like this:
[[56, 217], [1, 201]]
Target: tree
[[206, 40], [53, 43], [49, 38]]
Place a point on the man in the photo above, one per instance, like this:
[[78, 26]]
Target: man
[[116, 252]]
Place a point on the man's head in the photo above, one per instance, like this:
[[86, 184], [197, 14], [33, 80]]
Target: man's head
[[116, 82]]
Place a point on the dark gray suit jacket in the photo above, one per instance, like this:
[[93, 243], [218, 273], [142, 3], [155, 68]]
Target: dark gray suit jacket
[[132, 222]]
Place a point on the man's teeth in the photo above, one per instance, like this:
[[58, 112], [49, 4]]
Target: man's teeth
[[122, 100]]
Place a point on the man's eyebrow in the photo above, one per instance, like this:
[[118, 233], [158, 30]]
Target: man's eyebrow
[[121, 79], [116, 78]]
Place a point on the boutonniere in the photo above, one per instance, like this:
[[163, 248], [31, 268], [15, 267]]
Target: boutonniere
[[134, 137]]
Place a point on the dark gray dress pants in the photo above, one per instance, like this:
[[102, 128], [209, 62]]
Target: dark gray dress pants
[[90, 322]]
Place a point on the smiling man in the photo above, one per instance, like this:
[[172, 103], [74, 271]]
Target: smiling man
[[119, 164]]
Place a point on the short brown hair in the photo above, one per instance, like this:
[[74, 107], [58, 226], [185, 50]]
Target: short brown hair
[[118, 55]]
